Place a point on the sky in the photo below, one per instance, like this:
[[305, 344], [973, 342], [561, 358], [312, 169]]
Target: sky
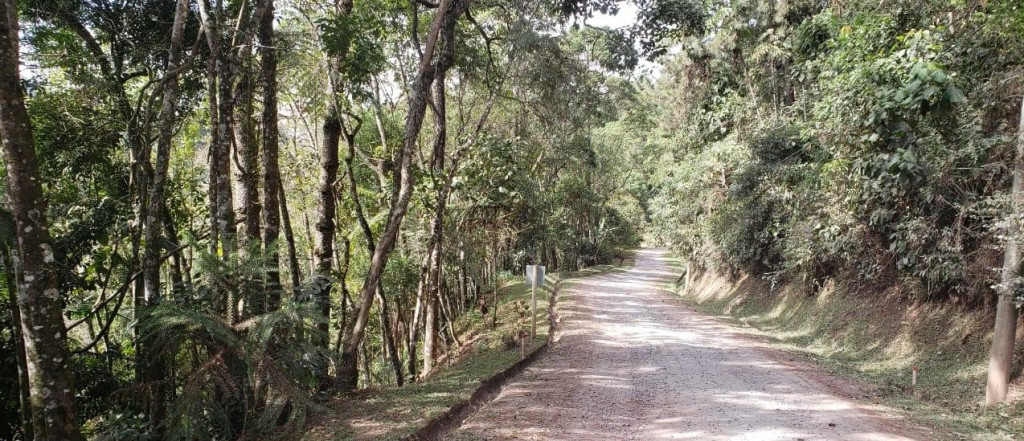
[[625, 17]]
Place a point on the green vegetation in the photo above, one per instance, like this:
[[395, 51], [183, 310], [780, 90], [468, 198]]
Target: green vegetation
[[877, 340], [866, 144], [392, 413], [223, 215]]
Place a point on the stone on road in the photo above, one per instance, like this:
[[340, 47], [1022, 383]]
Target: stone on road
[[632, 363]]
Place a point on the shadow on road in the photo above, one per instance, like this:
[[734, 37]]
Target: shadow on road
[[632, 363]]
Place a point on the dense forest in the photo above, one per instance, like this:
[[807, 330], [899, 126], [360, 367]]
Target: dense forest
[[220, 213]]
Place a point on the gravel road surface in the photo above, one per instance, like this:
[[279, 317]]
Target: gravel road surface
[[633, 363]]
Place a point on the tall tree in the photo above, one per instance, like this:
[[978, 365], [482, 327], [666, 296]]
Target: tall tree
[[446, 15], [323, 252], [152, 369], [271, 168], [39, 299], [1000, 362]]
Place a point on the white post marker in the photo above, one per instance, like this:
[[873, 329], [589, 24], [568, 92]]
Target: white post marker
[[913, 377], [535, 277]]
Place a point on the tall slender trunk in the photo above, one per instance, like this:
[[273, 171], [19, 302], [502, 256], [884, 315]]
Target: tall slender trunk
[[494, 285], [51, 382], [24, 401], [463, 277], [414, 323], [212, 34], [251, 292], [323, 253], [343, 267], [386, 331], [388, 334], [437, 161], [1000, 361], [248, 149], [221, 177], [430, 311], [171, 233], [271, 168], [444, 22], [289, 237], [152, 367], [225, 208]]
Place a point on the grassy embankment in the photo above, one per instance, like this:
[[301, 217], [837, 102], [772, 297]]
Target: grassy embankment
[[394, 413], [876, 338]]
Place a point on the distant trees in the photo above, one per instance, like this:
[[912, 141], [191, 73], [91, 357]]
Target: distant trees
[[190, 240], [864, 143], [219, 263]]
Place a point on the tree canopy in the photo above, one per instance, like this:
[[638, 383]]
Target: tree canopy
[[253, 206]]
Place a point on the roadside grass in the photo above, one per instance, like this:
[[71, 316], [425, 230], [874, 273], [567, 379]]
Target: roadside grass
[[394, 413], [876, 338]]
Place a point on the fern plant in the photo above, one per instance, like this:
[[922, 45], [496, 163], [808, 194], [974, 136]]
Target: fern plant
[[234, 374]]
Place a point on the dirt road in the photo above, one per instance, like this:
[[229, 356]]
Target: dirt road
[[632, 363]]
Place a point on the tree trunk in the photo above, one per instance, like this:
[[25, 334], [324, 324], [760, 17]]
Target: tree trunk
[[414, 324], [463, 278], [151, 366], [213, 42], [1000, 361], [494, 285], [271, 168], [325, 225], [221, 178], [289, 237], [343, 268], [437, 161], [386, 331], [245, 140], [51, 385], [220, 72], [171, 233], [430, 319], [445, 17], [253, 296], [388, 334], [24, 401]]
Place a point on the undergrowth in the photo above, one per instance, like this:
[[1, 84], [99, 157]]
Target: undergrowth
[[395, 413]]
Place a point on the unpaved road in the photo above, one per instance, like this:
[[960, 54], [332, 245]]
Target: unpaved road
[[632, 363]]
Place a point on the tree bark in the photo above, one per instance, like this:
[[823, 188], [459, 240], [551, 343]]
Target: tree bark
[[24, 401], [212, 33], [323, 254], [253, 296], [389, 341], [445, 57], [445, 17], [430, 310], [51, 385], [414, 323], [388, 334], [151, 366], [289, 237], [245, 140], [1000, 362], [221, 177], [271, 168]]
